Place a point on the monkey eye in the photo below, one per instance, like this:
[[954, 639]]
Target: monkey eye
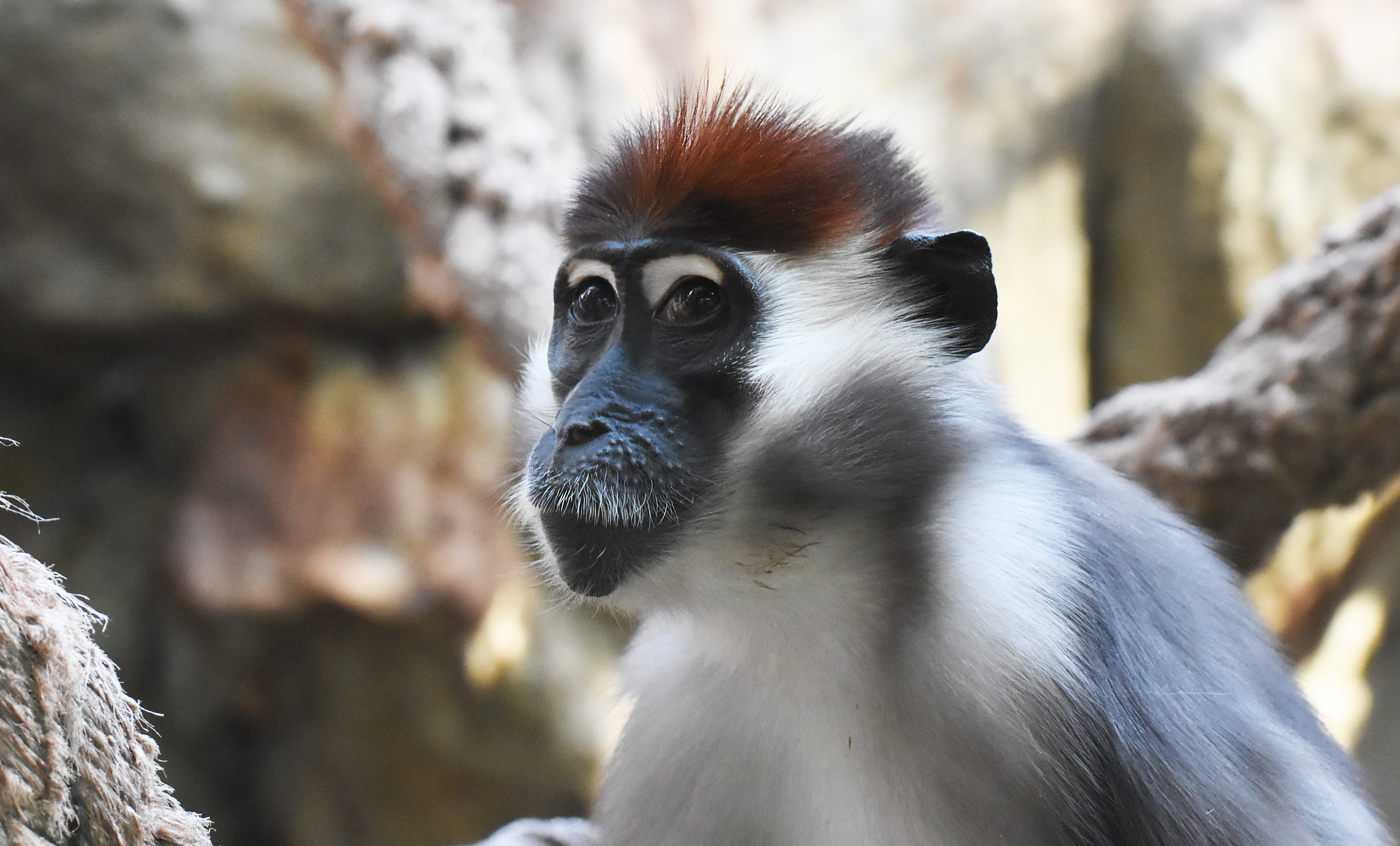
[[592, 301], [693, 299]]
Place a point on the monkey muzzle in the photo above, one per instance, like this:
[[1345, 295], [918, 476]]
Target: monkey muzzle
[[611, 493]]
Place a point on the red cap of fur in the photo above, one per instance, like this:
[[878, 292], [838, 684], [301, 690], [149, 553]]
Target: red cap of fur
[[748, 174]]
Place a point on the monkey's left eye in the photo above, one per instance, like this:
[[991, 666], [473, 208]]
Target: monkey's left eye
[[693, 299], [593, 301]]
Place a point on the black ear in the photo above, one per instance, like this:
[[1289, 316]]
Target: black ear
[[953, 284]]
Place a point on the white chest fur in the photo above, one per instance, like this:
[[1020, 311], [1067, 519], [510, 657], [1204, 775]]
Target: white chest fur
[[772, 698], [757, 747]]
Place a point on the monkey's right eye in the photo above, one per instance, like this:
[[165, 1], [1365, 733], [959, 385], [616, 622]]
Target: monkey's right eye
[[593, 301]]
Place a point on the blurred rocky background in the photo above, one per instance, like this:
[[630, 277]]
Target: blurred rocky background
[[265, 273]]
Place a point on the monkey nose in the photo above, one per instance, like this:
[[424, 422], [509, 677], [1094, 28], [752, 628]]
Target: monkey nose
[[582, 432]]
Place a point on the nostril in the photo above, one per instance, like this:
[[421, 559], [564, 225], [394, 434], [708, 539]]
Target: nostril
[[578, 434]]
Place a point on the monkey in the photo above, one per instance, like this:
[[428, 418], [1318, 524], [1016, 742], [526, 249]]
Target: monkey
[[873, 608]]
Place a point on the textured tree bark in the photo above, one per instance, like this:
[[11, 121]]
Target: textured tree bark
[[430, 98], [1298, 408]]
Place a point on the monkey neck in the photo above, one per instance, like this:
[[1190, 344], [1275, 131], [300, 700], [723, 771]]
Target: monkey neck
[[791, 592]]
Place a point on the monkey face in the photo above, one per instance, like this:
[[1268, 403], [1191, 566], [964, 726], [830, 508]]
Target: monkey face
[[660, 354], [743, 278], [645, 361]]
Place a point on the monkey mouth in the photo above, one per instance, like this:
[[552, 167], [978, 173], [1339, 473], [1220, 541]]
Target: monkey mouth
[[605, 497], [601, 529], [613, 483], [610, 508], [603, 526], [594, 559]]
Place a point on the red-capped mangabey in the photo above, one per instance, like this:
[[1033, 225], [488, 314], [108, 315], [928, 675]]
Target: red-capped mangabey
[[874, 610]]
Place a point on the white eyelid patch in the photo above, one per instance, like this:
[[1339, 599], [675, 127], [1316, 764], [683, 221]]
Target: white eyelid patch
[[660, 275], [581, 269]]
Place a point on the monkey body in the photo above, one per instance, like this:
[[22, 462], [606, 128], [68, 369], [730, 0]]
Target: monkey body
[[874, 609], [946, 703]]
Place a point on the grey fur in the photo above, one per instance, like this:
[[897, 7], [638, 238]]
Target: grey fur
[[895, 617], [1171, 721], [1159, 713]]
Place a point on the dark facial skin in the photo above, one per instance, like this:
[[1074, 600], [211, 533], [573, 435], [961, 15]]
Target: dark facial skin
[[649, 391]]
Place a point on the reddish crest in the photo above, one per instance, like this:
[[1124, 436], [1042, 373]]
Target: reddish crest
[[749, 174]]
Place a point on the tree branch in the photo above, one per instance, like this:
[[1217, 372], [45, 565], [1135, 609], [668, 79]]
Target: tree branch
[[1298, 408], [430, 99]]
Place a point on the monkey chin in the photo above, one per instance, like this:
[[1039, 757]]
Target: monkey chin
[[602, 518], [593, 558]]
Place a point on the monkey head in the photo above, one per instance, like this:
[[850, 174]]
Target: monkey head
[[727, 264]]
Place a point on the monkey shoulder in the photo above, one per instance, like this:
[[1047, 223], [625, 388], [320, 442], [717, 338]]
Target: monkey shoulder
[[1131, 640]]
